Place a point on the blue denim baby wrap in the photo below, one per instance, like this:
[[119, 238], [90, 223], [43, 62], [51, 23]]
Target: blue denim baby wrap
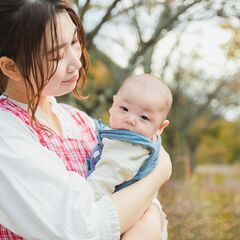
[[103, 131]]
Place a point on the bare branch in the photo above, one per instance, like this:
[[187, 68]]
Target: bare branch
[[202, 108], [210, 97], [147, 59], [134, 6], [84, 8], [172, 50], [93, 33], [135, 23], [164, 23]]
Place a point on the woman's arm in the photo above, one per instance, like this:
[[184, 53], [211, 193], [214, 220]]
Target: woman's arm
[[41, 199], [134, 200], [152, 225], [148, 226]]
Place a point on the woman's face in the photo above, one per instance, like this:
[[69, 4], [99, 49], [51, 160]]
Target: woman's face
[[66, 75]]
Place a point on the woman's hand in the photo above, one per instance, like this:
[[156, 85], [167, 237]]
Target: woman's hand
[[131, 202], [148, 226], [164, 166]]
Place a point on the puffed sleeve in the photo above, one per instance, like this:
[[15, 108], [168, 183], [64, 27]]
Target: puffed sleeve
[[164, 221], [40, 199]]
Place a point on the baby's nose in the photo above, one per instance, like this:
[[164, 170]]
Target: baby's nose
[[131, 120]]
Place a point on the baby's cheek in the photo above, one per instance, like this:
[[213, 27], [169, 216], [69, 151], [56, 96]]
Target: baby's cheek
[[113, 122]]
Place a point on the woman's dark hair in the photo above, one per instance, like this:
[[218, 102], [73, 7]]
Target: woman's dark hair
[[22, 35]]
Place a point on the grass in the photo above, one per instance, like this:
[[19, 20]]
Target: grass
[[203, 208]]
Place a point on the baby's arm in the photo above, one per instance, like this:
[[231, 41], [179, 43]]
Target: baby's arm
[[119, 162]]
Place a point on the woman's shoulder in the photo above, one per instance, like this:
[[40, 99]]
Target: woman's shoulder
[[74, 110], [10, 124], [82, 125], [7, 118], [80, 117]]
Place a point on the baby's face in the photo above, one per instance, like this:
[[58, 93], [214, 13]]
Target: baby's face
[[137, 111]]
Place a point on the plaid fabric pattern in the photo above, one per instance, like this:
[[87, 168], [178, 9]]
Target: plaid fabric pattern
[[73, 152]]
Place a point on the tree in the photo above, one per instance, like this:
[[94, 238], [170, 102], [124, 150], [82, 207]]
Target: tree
[[220, 143], [147, 23]]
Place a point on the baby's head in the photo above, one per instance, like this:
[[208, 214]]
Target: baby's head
[[141, 105]]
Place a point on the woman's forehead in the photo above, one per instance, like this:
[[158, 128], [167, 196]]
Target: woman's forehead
[[64, 26]]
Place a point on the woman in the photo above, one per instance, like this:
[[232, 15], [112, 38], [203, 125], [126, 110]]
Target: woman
[[44, 145]]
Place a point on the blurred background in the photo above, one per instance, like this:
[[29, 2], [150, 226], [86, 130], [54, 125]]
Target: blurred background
[[194, 47]]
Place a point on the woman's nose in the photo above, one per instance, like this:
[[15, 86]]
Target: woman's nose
[[72, 68], [75, 63]]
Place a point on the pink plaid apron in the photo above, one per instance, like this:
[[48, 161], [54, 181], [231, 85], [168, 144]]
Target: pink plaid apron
[[73, 152]]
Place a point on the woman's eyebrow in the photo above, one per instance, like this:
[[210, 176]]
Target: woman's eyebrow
[[75, 32], [61, 45], [57, 48]]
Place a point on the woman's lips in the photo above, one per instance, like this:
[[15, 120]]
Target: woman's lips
[[73, 79]]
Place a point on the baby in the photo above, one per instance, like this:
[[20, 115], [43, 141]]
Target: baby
[[141, 106], [129, 149]]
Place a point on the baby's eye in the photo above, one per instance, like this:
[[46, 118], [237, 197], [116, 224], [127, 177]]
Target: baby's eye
[[124, 109], [144, 117]]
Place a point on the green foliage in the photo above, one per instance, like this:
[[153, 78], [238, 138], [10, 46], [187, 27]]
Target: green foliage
[[233, 49], [101, 88], [220, 143]]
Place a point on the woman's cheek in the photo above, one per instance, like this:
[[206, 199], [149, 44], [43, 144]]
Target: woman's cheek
[[60, 72]]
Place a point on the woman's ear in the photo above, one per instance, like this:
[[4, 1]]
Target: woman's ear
[[162, 126], [9, 68]]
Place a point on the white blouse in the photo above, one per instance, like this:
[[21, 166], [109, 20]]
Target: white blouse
[[39, 198]]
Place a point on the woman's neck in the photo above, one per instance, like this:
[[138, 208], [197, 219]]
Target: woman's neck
[[50, 117], [16, 91], [45, 105]]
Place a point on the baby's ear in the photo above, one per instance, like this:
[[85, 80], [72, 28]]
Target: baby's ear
[[110, 109], [162, 126]]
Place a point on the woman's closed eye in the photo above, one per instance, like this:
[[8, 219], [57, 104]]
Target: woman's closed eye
[[124, 108], [59, 56], [75, 41]]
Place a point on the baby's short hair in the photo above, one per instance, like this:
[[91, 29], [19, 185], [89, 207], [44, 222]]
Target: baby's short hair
[[153, 84]]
